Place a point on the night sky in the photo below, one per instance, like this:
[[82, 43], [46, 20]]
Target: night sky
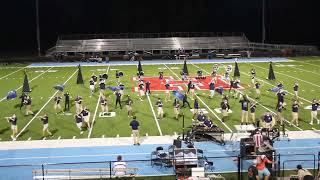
[[287, 21]]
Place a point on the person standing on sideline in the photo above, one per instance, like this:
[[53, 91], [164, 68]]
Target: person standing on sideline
[[159, 104], [118, 99], [66, 101], [148, 87], [314, 111], [14, 127], [135, 130], [129, 103], [295, 89], [211, 88], [45, 122], [295, 113]]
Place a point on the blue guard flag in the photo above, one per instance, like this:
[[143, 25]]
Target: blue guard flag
[[11, 94], [219, 89], [59, 87], [274, 89], [178, 94], [114, 88]]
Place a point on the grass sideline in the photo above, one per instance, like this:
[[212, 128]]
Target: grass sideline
[[301, 70]]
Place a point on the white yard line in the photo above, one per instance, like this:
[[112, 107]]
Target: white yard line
[[29, 82], [254, 100], [25, 127], [11, 73], [95, 112], [300, 69], [287, 76], [229, 129], [308, 63], [154, 115]]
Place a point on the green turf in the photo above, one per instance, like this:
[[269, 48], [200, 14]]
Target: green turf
[[304, 72]]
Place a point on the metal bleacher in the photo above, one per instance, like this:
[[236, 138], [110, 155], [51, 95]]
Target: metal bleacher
[[162, 43], [149, 44]]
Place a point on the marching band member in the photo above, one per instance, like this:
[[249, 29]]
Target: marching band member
[[45, 122], [121, 91], [267, 119], [176, 108], [253, 107], [22, 97], [185, 100], [14, 127], [161, 74], [78, 103], [195, 108], [212, 88], [189, 85], [94, 78], [118, 99], [207, 123], [314, 111], [167, 85], [141, 90], [102, 86], [148, 85], [244, 109], [295, 113], [57, 104], [159, 104], [129, 103], [192, 89], [201, 117], [280, 108], [27, 103], [91, 87], [78, 119], [86, 116], [295, 89], [257, 87], [225, 108], [104, 104]]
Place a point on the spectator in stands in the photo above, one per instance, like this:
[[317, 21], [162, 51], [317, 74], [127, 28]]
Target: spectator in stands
[[263, 171], [304, 174], [135, 130], [253, 171], [119, 167]]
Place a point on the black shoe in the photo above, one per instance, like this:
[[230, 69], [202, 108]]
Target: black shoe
[[138, 144]]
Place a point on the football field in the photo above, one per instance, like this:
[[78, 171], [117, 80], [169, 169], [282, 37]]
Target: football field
[[305, 71]]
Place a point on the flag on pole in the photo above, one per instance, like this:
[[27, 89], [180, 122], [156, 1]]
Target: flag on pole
[[79, 78], [271, 75], [236, 72], [26, 87], [59, 87], [11, 94], [185, 68], [178, 94]]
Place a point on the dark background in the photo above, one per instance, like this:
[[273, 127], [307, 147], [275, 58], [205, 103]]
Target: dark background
[[287, 21]]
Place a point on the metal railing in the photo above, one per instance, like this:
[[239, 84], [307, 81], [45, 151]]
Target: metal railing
[[237, 165]]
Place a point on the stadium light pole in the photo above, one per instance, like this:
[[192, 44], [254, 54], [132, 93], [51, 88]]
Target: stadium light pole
[[263, 23], [38, 28]]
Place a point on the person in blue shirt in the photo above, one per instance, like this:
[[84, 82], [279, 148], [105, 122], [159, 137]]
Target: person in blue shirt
[[280, 108], [267, 119], [314, 111], [211, 88], [167, 96], [201, 117], [78, 119], [296, 89], [257, 86], [134, 124], [253, 107], [208, 124], [159, 105]]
